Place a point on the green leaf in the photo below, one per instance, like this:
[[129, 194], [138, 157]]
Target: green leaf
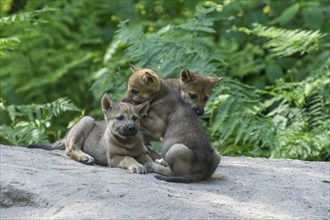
[[287, 15], [313, 17], [274, 72]]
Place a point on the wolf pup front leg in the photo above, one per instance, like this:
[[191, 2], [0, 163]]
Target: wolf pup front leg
[[76, 138]]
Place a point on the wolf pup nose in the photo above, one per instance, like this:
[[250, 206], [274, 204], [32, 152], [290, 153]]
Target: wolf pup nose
[[129, 130], [198, 111]]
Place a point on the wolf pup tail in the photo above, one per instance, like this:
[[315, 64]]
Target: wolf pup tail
[[181, 179], [57, 145]]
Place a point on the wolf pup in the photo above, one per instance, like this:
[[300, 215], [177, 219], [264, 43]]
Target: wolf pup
[[185, 146], [195, 89], [114, 142]]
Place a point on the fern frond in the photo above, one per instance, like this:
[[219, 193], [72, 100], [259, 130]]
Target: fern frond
[[29, 122], [144, 49], [40, 111], [314, 110], [238, 116], [23, 132], [25, 16], [48, 79], [283, 42], [8, 43], [304, 125], [201, 22], [288, 122]]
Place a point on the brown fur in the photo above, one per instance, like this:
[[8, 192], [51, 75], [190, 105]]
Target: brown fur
[[195, 89], [113, 142], [185, 146]]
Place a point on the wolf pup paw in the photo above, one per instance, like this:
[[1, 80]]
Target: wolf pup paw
[[161, 161], [149, 166], [86, 159], [137, 169], [145, 150]]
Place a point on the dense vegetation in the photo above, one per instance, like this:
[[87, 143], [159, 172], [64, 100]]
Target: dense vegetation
[[58, 57]]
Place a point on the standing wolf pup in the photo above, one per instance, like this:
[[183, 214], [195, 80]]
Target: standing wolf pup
[[195, 89], [114, 142], [185, 146]]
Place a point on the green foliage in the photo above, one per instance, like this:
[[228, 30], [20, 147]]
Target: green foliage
[[274, 56], [23, 17], [8, 43], [51, 52], [30, 122], [57, 48], [238, 112], [286, 42], [302, 118], [293, 122]]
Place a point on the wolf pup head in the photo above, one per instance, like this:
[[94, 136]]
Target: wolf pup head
[[142, 85], [196, 89], [123, 118]]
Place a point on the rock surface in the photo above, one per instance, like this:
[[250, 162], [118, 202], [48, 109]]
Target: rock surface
[[39, 184]]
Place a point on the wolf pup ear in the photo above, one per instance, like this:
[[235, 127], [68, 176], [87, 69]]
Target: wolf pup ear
[[186, 76], [133, 68], [214, 80], [148, 78], [143, 108], [106, 102]]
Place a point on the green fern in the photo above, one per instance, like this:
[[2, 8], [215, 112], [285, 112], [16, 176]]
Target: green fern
[[187, 48], [24, 16], [46, 80], [239, 115], [293, 121], [305, 133], [29, 122], [23, 133], [7, 44], [202, 22], [283, 43]]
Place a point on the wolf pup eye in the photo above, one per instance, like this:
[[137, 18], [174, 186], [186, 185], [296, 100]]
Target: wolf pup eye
[[206, 98], [134, 92], [134, 117], [193, 95], [120, 117]]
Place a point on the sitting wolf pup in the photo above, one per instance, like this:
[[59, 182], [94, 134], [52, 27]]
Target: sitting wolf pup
[[113, 142], [185, 146], [195, 89]]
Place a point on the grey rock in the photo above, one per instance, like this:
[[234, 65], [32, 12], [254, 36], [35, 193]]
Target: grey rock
[[39, 184]]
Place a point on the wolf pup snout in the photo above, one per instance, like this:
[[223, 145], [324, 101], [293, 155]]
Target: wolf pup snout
[[129, 129], [198, 111]]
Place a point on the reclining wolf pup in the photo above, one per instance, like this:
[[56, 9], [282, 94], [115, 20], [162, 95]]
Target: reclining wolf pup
[[114, 142], [185, 146]]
